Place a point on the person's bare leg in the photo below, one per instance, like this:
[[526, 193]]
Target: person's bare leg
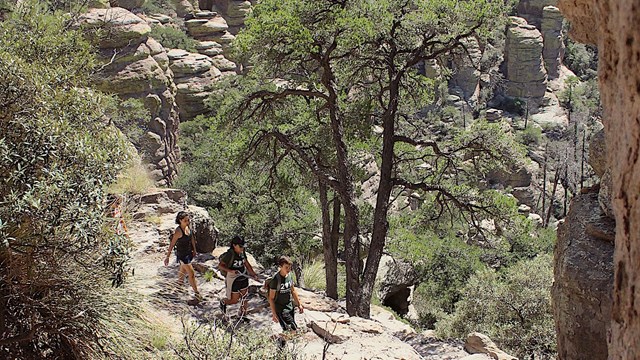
[[181, 275], [192, 278], [243, 304], [235, 297]]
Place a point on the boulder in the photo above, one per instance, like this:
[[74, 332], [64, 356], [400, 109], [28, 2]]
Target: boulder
[[524, 72], [183, 7], [553, 44], [204, 229], [190, 64], [598, 153], [477, 343], [396, 279], [520, 177], [200, 27], [583, 281], [120, 27]]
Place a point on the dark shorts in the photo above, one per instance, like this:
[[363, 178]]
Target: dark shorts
[[240, 283], [287, 319], [184, 258]]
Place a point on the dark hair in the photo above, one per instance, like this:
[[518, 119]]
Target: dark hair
[[237, 240], [181, 215], [284, 260]]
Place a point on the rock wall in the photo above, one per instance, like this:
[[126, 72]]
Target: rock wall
[[137, 66], [613, 26], [525, 73], [583, 277]]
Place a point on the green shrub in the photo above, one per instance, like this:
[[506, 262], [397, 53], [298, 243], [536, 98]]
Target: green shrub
[[58, 255], [172, 38], [531, 136], [314, 275], [158, 7], [513, 307], [131, 117], [215, 340]]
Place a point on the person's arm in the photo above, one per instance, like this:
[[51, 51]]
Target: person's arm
[[193, 241], [249, 268], [272, 304], [174, 239], [295, 297]]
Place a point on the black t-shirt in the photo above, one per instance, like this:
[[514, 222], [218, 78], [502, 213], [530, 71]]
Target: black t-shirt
[[238, 260], [283, 295]]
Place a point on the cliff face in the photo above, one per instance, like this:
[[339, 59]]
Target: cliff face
[[137, 66], [612, 26]]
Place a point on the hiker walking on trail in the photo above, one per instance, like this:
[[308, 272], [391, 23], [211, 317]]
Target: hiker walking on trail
[[236, 269], [281, 290], [185, 245]]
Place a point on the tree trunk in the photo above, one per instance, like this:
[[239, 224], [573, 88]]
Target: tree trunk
[[352, 255], [380, 223], [297, 269], [556, 179], [330, 250]]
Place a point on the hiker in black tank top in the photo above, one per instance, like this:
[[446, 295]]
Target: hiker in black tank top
[[185, 246]]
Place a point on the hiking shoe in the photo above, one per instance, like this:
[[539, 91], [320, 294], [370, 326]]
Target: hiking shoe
[[245, 319], [223, 306]]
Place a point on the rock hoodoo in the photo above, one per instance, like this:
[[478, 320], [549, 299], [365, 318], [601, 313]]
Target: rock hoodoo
[[525, 73]]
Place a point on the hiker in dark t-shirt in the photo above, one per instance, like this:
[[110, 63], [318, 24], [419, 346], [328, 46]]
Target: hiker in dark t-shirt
[[235, 263], [281, 291]]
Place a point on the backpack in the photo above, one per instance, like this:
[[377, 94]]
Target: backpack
[[268, 281], [221, 259]]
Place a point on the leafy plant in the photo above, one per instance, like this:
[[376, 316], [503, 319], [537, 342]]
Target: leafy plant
[[172, 38]]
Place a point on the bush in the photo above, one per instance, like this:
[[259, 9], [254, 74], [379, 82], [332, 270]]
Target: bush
[[58, 255], [513, 307], [530, 136], [135, 180], [172, 38], [215, 340], [314, 276]]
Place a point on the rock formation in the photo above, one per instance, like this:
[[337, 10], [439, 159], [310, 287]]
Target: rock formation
[[397, 280], [533, 10], [583, 277], [553, 45], [137, 66], [612, 26], [195, 77], [466, 76], [525, 73]]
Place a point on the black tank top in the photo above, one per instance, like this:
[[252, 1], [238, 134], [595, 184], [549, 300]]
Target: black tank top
[[183, 245]]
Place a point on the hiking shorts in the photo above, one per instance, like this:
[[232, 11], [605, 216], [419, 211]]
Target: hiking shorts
[[287, 319], [239, 284], [184, 259]]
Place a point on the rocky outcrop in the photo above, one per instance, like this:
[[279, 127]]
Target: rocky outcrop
[[533, 10], [466, 75], [524, 71], [183, 7], [553, 44], [137, 66], [195, 77], [163, 205], [477, 343], [583, 278], [396, 280]]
